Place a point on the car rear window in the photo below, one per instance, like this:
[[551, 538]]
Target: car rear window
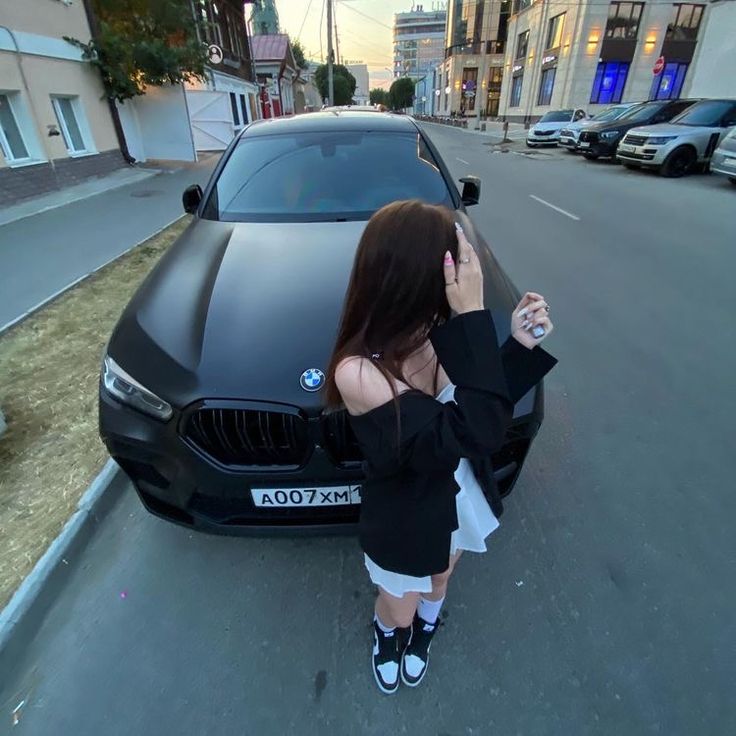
[[311, 177]]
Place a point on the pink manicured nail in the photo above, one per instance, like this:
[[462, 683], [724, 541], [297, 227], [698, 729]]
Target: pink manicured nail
[[448, 258]]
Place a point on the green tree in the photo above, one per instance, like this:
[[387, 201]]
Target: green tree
[[298, 50], [379, 96], [344, 90], [401, 93], [143, 43]]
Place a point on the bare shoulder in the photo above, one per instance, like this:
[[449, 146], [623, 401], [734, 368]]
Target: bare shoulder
[[362, 385]]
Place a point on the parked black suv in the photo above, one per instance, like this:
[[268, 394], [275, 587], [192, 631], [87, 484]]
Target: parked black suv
[[602, 139]]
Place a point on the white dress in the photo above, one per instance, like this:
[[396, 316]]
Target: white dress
[[475, 522]]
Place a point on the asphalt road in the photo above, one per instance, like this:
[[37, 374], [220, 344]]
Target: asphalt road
[[605, 605], [43, 254]]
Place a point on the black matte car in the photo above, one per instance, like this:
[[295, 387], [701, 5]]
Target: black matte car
[[210, 394], [600, 140]]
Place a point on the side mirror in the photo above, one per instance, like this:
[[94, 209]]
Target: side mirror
[[191, 198], [471, 190]]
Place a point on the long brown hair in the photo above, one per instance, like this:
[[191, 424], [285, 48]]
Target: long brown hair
[[396, 292]]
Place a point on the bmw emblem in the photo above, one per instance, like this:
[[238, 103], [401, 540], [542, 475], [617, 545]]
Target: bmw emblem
[[312, 379]]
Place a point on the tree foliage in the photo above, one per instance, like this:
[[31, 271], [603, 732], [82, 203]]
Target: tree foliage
[[144, 43], [401, 93], [379, 96], [344, 89], [298, 50]]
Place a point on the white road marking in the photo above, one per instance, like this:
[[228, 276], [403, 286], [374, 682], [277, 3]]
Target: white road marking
[[463, 161], [554, 207]]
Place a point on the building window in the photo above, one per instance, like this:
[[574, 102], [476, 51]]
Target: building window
[[522, 45], [515, 100], [554, 31], [234, 108], [668, 84], [685, 22], [609, 82], [11, 139], [243, 110], [69, 116], [623, 20], [469, 88], [546, 85]]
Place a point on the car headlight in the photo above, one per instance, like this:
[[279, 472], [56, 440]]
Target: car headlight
[[660, 140], [127, 390], [610, 135]]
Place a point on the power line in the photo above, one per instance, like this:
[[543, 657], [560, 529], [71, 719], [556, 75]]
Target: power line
[[321, 21], [369, 17], [304, 20]]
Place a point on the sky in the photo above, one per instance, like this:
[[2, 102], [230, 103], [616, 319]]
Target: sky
[[364, 31]]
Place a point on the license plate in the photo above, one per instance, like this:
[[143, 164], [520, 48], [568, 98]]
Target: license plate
[[289, 497], [626, 149], [584, 144]]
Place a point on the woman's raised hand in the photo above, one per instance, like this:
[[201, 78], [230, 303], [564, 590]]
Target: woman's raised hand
[[532, 310], [464, 279]]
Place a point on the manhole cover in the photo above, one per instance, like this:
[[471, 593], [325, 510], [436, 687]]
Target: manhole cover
[[145, 193]]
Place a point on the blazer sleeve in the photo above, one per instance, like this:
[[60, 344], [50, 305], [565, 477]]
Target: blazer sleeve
[[488, 380]]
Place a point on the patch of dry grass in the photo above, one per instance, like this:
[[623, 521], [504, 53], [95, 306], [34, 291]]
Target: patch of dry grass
[[49, 372]]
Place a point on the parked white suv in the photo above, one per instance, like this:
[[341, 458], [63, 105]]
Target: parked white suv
[[570, 134], [547, 131], [677, 147]]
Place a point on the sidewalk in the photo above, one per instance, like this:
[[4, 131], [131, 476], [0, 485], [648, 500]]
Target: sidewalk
[[48, 244]]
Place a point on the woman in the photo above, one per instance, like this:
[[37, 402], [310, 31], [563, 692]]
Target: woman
[[427, 389]]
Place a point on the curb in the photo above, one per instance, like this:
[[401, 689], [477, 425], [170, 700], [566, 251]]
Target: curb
[[25, 613]]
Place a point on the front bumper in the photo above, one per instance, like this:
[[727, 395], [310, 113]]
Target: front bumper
[[568, 142], [550, 140], [724, 162], [644, 155], [177, 483]]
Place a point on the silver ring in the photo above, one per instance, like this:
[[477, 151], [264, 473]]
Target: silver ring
[[465, 260], [546, 308]]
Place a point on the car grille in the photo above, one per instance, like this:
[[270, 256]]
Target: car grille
[[249, 437], [340, 442], [635, 140], [566, 133], [275, 440], [543, 132], [588, 136]]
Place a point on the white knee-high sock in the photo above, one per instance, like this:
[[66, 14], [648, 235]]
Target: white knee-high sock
[[429, 610], [382, 626]]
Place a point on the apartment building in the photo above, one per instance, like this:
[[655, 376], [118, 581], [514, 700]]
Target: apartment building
[[468, 81], [55, 127], [591, 54]]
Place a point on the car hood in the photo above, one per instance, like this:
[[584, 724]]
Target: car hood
[[240, 310], [663, 129], [550, 126]]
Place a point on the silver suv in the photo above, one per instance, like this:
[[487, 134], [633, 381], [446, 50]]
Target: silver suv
[[724, 158], [678, 147]]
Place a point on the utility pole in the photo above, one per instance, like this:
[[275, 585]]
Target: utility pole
[[330, 81]]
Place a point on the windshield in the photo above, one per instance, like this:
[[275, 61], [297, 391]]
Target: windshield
[[559, 116], [639, 114], [613, 113], [308, 177], [707, 113]]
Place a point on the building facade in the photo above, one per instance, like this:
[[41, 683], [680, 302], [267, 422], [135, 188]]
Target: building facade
[[276, 71], [418, 47], [468, 81], [264, 19], [714, 65], [591, 54], [362, 91], [55, 127]]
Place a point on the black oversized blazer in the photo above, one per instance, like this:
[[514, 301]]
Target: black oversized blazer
[[408, 510]]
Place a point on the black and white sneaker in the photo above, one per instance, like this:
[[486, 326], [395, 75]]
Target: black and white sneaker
[[387, 650], [415, 660]]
